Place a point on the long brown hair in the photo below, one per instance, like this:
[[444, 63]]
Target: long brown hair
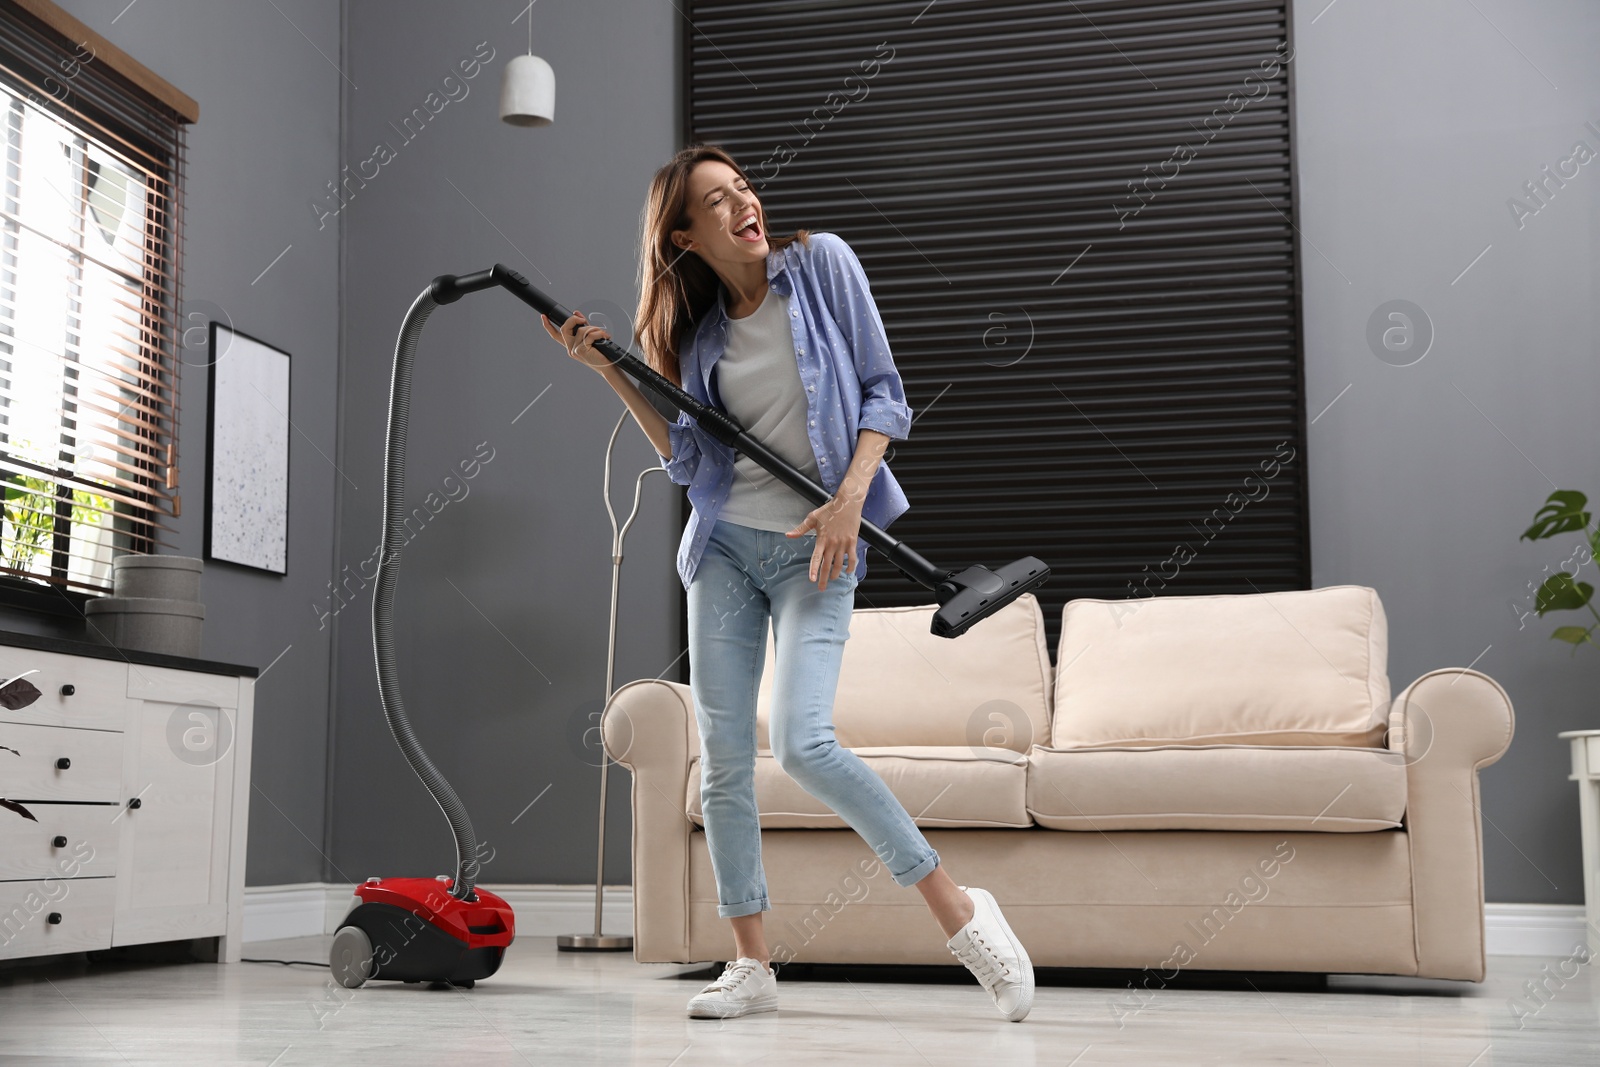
[[677, 287]]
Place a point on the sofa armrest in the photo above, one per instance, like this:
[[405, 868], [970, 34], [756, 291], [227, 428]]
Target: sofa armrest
[[1449, 723], [649, 727]]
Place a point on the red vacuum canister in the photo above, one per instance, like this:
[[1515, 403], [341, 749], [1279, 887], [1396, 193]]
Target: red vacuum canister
[[414, 930]]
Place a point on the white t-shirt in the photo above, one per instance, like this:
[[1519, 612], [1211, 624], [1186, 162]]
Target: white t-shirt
[[758, 378]]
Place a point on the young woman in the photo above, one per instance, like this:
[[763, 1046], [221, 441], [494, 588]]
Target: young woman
[[784, 336]]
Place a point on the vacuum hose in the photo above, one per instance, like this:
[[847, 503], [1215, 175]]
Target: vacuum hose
[[394, 532]]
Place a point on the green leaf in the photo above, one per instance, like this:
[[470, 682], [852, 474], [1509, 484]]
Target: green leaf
[[1561, 593], [1572, 635], [1562, 513]]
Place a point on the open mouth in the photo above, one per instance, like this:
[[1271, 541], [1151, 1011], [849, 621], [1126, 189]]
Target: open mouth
[[752, 232]]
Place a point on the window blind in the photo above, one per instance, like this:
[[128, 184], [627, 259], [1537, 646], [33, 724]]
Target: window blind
[[89, 327], [1077, 222]]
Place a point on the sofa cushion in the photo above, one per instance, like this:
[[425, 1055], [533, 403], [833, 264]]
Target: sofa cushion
[[1301, 667], [1218, 787], [901, 685], [939, 786]]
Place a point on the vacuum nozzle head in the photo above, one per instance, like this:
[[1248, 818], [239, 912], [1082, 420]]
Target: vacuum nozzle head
[[974, 594]]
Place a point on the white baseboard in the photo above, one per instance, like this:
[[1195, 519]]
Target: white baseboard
[[307, 909], [1532, 929], [274, 911]]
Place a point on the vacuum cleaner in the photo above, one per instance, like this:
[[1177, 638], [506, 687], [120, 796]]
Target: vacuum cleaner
[[446, 931]]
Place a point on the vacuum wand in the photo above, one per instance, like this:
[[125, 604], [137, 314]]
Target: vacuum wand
[[965, 596]]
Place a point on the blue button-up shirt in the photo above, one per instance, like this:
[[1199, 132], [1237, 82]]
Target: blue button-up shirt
[[849, 377]]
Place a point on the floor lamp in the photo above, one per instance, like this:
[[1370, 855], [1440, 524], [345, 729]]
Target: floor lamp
[[597, 941]]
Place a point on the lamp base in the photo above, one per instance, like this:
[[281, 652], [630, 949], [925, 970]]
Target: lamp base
[[594, 942]]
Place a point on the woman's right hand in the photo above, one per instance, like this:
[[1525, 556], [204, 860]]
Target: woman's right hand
[[578, 338]]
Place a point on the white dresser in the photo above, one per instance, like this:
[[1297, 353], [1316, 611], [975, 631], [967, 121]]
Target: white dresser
[[137, 767]]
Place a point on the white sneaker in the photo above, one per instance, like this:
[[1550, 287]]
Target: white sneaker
[[743, 987], [992, 952]]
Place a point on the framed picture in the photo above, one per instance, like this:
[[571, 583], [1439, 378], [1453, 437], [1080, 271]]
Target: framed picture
[[247, 452]]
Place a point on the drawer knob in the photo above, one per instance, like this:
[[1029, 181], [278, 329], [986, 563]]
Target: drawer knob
[[63, 763], [59, 841], [54, 918], [68, 689], [135, 803]]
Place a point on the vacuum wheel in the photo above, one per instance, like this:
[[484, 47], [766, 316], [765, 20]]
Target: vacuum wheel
[[351, 957]]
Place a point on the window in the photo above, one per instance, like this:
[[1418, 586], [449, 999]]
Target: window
[[90, 233]]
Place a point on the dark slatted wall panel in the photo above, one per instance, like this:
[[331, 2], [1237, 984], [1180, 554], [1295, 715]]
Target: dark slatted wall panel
[[1076, 219]]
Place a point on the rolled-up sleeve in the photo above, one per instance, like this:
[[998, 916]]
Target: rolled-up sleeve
[[844, 283], [685, 458]]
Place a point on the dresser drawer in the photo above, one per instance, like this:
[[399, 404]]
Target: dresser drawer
[[82, 910], [30, 849], [79, 691], [172, 686], [57, 763]]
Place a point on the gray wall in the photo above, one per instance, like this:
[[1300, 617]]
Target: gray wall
[[267, 140], [504, 596], [1416, 122]]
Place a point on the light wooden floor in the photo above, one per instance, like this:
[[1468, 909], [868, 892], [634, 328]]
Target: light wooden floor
[[546, 1007]]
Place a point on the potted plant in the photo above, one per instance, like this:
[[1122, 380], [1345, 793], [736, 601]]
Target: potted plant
[[1563, 512]]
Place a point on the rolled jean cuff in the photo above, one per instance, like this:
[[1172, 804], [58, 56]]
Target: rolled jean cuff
[[917, 873], [748, 907]]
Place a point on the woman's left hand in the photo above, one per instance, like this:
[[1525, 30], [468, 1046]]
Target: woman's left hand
[[838, 526]]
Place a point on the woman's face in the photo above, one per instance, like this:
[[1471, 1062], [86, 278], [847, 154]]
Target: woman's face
[[720, 204]]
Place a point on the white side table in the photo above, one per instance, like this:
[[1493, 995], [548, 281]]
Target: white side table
[[1586, 772]]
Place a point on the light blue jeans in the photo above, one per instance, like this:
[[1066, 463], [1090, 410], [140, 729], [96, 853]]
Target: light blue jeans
[[745, 576]]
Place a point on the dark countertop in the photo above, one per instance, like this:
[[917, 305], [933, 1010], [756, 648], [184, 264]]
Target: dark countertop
[[128, 655]]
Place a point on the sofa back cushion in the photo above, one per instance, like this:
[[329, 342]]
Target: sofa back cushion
[[1300, 667], [901, 685]]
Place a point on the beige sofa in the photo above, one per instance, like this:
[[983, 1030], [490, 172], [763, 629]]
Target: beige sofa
[[1206, 782]]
